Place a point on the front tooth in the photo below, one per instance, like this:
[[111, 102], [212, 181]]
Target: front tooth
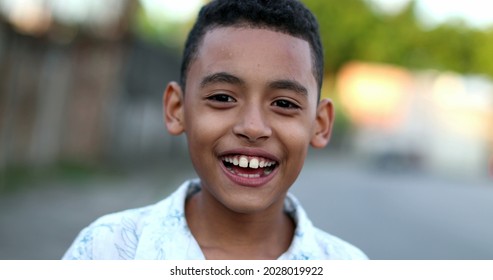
[[243, 162], [235, 161], [254, 163], [261, 164]]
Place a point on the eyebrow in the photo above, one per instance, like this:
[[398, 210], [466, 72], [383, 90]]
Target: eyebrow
[[221, 77], [224, 77], [289, 85]]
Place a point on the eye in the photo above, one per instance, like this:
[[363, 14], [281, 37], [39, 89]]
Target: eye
[[285, 104], [221, 98]]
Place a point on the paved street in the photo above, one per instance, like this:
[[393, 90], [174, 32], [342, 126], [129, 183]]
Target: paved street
[[400, 215]]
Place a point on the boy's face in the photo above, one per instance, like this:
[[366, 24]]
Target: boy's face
[[249, 113]]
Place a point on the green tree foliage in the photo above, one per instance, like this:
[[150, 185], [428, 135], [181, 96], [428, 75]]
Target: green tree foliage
[[343, 24], [352, 30], [482, 54]]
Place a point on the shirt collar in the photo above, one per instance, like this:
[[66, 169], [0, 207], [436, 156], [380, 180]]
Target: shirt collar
[[167, 235]]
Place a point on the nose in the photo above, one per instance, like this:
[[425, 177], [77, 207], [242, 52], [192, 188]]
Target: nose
[[252, 125]]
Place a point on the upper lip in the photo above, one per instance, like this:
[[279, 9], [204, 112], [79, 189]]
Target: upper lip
[[249, 152]]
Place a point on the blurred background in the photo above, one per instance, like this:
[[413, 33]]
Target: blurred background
[[408, 173]]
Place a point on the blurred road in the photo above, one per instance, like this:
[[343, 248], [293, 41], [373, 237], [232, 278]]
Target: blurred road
[[398, 215], [402, 214]]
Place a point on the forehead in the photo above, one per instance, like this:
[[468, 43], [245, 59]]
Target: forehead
[[254, 52]]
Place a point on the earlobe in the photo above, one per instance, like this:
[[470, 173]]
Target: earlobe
[[323, 124], [173, 109]]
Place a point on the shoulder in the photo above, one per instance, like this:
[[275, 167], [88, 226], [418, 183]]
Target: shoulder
[[113, 236], [119, 235], [333, 247], [313, 243]]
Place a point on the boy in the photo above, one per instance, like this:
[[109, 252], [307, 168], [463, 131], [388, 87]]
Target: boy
[[248, 102]]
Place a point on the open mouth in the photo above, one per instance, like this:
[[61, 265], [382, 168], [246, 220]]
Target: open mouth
[[249, 166]]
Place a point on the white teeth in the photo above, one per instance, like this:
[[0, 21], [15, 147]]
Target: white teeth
[[249, 175], [253, 163], [243, 162], [249, 162]]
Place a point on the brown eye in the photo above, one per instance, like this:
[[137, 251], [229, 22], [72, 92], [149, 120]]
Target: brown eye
[[221, 98], [282, 103]]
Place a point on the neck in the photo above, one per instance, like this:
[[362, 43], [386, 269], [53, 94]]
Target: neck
[[225, 234]]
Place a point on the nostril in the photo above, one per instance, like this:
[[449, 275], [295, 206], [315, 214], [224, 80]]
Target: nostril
[[253, 137], [253, 131]]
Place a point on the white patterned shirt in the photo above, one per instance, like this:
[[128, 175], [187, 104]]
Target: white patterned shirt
[[160, 231]]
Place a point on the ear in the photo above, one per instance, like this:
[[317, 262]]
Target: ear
[[323, 124], [173, 109]]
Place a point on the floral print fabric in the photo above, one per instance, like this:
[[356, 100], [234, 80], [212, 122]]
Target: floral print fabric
[[160, 231]]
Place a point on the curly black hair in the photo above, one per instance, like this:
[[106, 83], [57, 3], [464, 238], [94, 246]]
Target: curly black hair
[[286, 16]]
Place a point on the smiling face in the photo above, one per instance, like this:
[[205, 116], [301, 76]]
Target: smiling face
[[249, 113]]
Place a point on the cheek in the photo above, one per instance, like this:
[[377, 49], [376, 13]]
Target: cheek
[[204, 129], [295, 137], [296, 133]]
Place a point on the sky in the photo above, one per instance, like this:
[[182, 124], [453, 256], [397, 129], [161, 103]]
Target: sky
[[178, 11], [476, 13]]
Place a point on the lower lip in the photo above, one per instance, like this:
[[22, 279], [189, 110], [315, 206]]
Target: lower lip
[[249, 182]]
